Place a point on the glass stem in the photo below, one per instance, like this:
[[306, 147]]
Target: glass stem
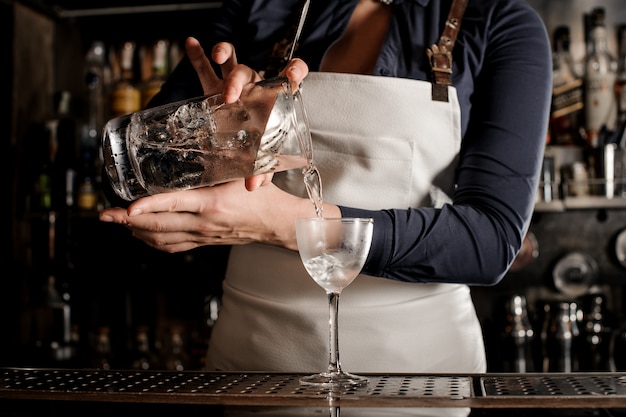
[[333, 309]]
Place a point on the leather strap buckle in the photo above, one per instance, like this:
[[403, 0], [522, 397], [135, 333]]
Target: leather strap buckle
[[440, 59], [440, 54]]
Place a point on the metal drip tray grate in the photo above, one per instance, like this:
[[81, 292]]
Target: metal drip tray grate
[[564, 385], [603, 390], [219, 388]]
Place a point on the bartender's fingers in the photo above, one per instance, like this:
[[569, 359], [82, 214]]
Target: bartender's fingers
[[237, 79], [209, 80], [173, 242], [176, 240], [189, 201], [166, 241], [256, 181], [196, 200], [235, 76], [296, 70], [135, 216], [114, 215], [223, 54]]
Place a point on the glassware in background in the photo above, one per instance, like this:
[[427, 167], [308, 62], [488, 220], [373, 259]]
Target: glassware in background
[[518, 336], [203, 141], [560, 336], [597, 330], [333, 251]]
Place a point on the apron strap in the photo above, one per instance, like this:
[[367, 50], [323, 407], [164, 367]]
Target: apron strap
[[440, 54]]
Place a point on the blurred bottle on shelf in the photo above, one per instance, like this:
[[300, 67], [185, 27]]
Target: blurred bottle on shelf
[[619, 347], [39, 170], [560, 336], [142, 356], [102, 351], [52, 324], [51, 159], [567, 93], [619, 137], [50, 310], [77, 348], [600, 76], [175, 53], [95, 81], [620, 83], [88, 188], [175, 357], [125, 94], [62, 128], [595, 348], [158, 73], [518, 337]]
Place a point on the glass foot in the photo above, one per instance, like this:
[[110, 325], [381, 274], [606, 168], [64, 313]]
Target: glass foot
[[334, 379]]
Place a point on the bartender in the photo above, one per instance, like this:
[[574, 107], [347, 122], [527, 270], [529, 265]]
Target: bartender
[[449, 177]]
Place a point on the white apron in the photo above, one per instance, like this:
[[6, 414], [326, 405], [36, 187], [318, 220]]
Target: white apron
[[379, 142]]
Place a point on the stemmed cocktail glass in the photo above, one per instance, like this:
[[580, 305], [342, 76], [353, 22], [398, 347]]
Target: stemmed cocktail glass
[[333, 251]]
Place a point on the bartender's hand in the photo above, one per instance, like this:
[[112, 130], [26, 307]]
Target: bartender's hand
[[226, 214], [235, 76]]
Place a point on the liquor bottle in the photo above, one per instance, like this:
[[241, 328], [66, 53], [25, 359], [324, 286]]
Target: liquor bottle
[[41, 196], [518, 337], [52, 324], [102, 355], [142, 356], [600, 76], [620, 83], [95, 80], [125, 94], [567, 93], [87, 198], [619, 347], [158, 73], [560, 337], [619, 137], [595, 347], [175, 357], [52, 156], [77, 348], [62, 129]]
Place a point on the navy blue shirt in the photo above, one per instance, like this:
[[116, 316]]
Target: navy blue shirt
[[502, 73]]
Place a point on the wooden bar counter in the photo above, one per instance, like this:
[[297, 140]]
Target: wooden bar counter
[[56, 392]]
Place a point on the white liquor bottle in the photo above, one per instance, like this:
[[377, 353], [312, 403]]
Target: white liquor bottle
[[600, 76]]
